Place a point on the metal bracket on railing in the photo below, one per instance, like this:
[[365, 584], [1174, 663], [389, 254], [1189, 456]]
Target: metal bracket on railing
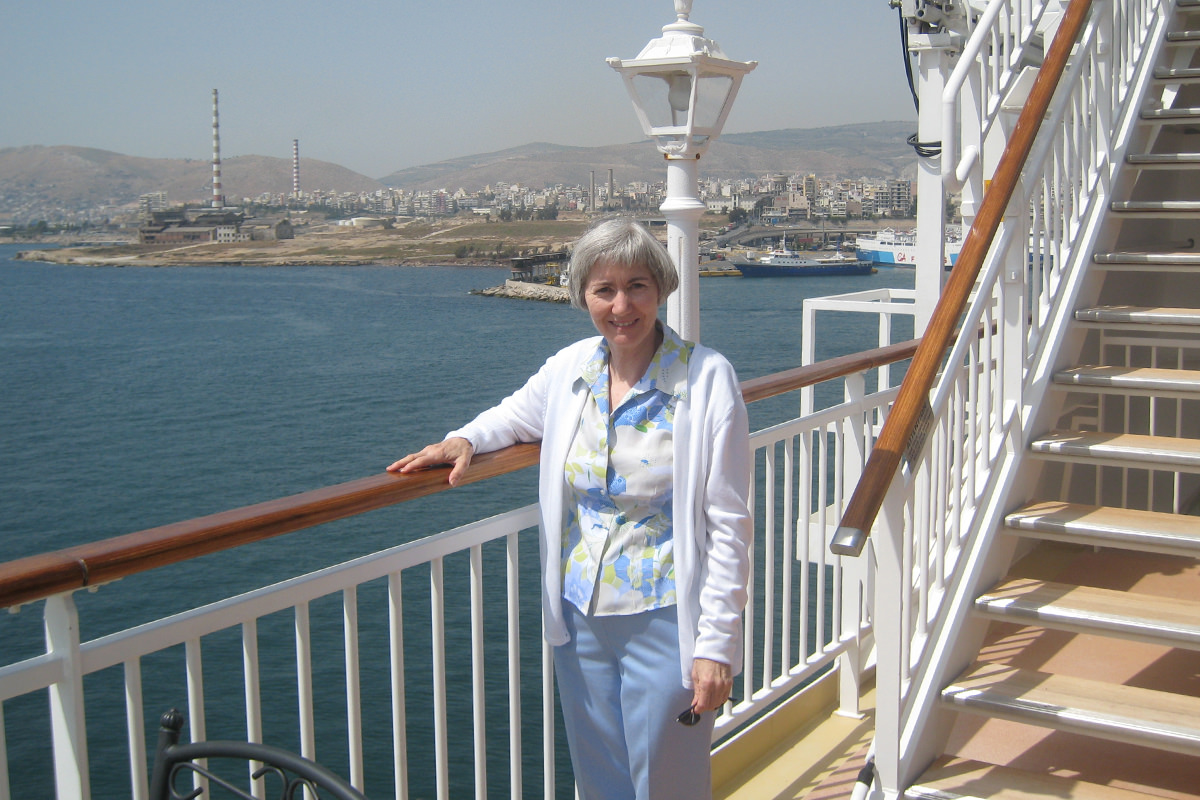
[[920, 434]]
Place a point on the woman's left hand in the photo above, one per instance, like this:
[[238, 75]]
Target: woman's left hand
[[712, 682]]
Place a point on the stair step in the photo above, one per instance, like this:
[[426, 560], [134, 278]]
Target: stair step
[[1133, 380], [1111, 711], [962, 779], [1180, 75], [1158, 207], [1163, 261], [1182, 37], [1141, 315], [1104, 526], [1167, 621], [1120, 449], [1163, 160], [1166, 115]]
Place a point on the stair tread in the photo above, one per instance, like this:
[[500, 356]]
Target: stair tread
[[1172, 160], [1153, 315], [963, 779], [1170, 113], [1080, 705], [1167, 73], [1133, 529], [1171, 621], [1128, 257], [1144, 379], [1155, 205], [1164, 452]]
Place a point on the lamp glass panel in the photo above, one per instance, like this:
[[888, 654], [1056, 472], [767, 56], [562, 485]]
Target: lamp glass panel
[[664, 97], [711, 95]]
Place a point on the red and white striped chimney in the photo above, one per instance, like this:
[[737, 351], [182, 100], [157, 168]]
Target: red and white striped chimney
[[295, 167], [218, 200]]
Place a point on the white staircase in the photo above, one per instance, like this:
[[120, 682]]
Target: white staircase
[[1087, 685]]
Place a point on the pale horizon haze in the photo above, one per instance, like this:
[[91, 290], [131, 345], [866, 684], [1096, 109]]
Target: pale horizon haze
[[381, 86]]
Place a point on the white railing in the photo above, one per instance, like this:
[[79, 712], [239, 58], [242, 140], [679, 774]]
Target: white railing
[[978, 87], [943, 509], [421, 697]]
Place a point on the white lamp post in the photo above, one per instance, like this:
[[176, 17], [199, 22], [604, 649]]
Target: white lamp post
[[682, 87]]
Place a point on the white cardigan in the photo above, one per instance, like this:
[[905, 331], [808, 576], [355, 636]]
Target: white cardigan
[[712, 525]]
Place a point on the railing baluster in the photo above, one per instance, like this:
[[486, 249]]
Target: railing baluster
[[354, 730], [478, 709], [748, 617], [768, 583], [253, 692], [515, 749], [399, 703], [66, 699], [134, 728], [304, 682], [822, 526], [197, 719], [4, 780], [437, 609], [789, 552], [548, 728], [805, 521]]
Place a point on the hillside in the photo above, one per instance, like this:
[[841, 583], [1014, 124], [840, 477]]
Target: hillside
[[80, 178], [54, 183], [876, 150]]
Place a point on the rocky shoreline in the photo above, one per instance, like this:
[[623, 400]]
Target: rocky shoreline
[[520, 290]]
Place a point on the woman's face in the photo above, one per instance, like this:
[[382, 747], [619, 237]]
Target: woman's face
[[623, 303]]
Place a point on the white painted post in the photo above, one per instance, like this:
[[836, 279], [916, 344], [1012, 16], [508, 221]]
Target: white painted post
[[888, 625], [67, 723], [854, 458], [682, 208], [933, 65]]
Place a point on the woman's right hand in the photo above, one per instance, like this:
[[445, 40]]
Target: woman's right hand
[[455, 451]]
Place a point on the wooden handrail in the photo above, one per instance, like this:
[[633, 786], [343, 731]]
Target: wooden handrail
[[800, 377], [880, 470], [26, 579]]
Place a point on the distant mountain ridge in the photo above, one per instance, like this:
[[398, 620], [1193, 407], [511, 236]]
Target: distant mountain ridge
[[874, 150], [50, 182]]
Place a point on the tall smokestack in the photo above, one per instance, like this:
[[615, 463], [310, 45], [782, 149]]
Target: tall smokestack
[[610, 188], [218, 200], [295, 167], [592, 196]]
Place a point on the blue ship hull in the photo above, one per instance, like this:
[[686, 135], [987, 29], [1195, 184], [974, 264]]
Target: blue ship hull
[[750, 269]]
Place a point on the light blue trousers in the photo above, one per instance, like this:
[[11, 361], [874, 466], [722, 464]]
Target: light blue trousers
[[621, 690]]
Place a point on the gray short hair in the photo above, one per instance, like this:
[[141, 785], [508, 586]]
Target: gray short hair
[[620, 240]]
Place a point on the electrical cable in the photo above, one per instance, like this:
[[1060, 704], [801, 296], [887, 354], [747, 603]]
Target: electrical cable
[[923, 149]]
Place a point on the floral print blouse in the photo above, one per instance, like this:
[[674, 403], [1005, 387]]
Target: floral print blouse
[[617, 547]]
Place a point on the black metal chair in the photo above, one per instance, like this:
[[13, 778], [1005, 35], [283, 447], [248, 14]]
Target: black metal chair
[[287, 776]]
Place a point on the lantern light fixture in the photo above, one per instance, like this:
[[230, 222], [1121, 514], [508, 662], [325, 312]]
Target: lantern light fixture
[[682, 86]]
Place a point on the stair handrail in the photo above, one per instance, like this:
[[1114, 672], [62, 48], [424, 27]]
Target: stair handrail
[[39, 576], [913, 398]]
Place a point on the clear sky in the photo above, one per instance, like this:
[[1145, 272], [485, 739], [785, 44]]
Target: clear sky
[[378, 86]]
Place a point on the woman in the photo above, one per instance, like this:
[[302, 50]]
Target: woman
[[645, 530]]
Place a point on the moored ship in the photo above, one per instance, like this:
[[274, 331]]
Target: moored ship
[[891, 248], [788, 263]]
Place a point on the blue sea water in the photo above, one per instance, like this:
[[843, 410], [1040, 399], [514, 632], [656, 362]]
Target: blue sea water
[[136, 397]]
